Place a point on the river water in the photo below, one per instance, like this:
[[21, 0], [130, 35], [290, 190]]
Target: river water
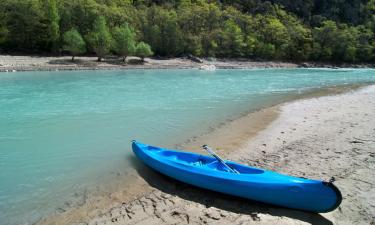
[[60, 131]]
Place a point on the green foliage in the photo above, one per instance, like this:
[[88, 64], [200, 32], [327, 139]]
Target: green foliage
[[74, 43], [3, 34], [99, 38], [53, 23], [340, 42], [3, 29], [162, 31], [232, 40], [25, 25], [123, 41], [143, 50], [332, 31], [274, 33]]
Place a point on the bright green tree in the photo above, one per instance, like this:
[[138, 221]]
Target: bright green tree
[[74, 43], [275, 33], [143, 50], [99, 38], [53, 26], [232, 39], [251, 45], [123, 41]]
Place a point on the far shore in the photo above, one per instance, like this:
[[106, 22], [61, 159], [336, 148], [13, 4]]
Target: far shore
[[9, 63], [329, 134]]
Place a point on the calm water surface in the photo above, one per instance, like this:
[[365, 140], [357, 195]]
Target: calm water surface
[[59, 131]]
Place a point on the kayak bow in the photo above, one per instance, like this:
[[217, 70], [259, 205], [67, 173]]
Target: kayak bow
[[251, 183]]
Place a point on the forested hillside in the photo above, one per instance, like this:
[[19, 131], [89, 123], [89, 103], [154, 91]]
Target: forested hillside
[[295, 30]]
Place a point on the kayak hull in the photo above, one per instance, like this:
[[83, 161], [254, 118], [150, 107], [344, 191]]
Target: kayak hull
[[252, 183]]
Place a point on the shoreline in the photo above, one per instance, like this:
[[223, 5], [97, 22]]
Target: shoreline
[[237, 132], [10, 63]]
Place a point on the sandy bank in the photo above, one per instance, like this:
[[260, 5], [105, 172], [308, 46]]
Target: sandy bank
[[315, 137]]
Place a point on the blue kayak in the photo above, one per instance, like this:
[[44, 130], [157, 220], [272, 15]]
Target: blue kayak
[[248, 182]]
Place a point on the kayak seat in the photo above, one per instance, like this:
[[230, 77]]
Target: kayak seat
[[205, 161], [213, 164], [245, 169], [241, 169], [184, 158]]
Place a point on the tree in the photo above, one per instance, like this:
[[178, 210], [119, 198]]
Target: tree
[[99, 38], [251, 45], [232, 39], [143, 50], [265, 50], [53, 26], [25, 23], [74, 43], [3, 29], [324, 40], [124, 43], [162, 31], [274, 33], [365, 51], [339, 42], [3, 33]]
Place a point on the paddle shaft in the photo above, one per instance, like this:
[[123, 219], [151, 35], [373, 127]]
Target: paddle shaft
[[219, 159]]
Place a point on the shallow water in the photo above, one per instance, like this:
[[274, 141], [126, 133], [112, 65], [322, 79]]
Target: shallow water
[[60, 131]]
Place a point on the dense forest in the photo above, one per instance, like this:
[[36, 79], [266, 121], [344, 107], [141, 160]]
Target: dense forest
[[291, 30]]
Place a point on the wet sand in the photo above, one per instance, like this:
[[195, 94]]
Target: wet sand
[[316, 137]]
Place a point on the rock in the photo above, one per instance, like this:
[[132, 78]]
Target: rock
[[194, 58], [213, 214]]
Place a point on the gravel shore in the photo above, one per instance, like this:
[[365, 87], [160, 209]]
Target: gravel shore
[[10, 63], [39, 63]]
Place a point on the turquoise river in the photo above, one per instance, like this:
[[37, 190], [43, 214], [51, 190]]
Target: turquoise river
[[61, 131]]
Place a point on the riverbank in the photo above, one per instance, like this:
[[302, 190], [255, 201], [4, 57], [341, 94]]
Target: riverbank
[[40, 63], [326, 136]]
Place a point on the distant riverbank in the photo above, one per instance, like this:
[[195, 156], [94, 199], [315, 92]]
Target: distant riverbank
[[10, 63]]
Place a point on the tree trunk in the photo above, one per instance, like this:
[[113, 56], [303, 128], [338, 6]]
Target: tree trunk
[[73, 58], [124, 59], [99, 59]]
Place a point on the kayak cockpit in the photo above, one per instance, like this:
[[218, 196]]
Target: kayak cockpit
[[202, 161]]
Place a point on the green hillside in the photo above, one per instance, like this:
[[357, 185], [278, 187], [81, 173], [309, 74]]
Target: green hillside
[[291, 30]]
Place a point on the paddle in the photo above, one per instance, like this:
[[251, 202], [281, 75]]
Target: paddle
[[205, 147]]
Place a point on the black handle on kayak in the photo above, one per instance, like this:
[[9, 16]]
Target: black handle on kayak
[[205, 147]]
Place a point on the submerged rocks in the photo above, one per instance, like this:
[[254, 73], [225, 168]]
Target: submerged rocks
[[208, 67]]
